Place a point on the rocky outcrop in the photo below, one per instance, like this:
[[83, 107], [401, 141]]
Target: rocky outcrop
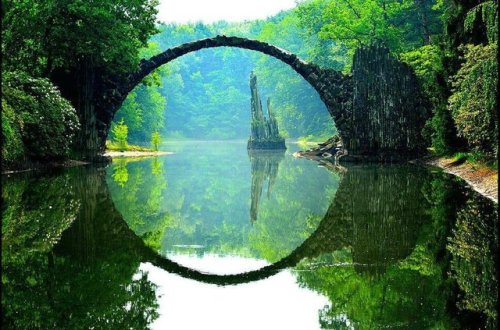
[[388, 112], [264, 131]]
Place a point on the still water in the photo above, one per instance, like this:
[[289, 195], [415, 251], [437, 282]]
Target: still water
[[214, 237]]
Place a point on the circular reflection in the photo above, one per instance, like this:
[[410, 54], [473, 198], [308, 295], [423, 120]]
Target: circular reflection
[[210, 203]]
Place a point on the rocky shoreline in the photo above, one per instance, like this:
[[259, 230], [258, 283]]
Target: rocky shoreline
[[480, 178]]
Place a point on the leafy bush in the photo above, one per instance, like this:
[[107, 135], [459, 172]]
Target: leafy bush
[[12, 147], [36, 111], [473, 102]]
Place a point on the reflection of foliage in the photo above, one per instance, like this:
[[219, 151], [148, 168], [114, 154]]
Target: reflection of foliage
[[87, 280], [41, 291], [417, 290], [139, 197], [120, 173], [473, 246], [156, 167], [390, 299], [35, 212], [207, 202]]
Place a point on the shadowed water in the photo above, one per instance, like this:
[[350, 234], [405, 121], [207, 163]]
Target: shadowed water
[[214, 237]]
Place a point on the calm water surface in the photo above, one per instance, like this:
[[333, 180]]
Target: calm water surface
[[214, 237]]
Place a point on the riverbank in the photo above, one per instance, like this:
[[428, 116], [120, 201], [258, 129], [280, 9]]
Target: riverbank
[[114, 154], [481, 178], [72, 163], [44, 166]]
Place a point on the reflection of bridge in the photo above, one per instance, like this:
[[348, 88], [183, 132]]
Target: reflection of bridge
[[377, 211]]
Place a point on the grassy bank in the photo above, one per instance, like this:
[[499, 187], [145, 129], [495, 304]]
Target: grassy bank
[[477, 171], [474, 159], [113, 146]]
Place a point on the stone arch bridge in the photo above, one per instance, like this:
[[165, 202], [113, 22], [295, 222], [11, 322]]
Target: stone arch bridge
[[367, 117]]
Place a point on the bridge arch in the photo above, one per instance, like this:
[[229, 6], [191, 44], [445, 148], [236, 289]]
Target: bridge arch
[[330, 84], [317, 77], [379, 109]]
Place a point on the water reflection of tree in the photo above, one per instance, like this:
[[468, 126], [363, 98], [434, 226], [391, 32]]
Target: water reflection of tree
[[120, 172], [474, 246], [264, 165], [432, 245], [207, 203], [138, 196], [84, 276], [390, 265], [376, 269]]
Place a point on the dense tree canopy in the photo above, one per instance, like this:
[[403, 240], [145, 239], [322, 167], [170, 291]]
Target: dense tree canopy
[[41, 36], [77, 45]]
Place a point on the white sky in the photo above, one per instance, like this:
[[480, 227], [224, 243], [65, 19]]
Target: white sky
[[208, 11]]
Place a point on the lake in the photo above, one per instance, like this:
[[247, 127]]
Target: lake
[[216, 237]]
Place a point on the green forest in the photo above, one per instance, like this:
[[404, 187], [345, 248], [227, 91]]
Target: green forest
[[319, 164], [54, 49]]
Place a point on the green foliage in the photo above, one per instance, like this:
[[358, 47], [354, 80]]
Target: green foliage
[[155, 140], [36, 112], [208, 91], [427, 62], [12, 144], [42, 36], [120, 134], [399, 25], [459, 157], [475, 158], [143, 111], [473, 102], [114, 146], [79, 45], [488, 12]]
